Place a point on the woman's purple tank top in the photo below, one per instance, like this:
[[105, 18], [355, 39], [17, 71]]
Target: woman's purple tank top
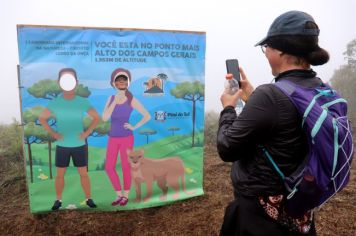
[[119, 117]]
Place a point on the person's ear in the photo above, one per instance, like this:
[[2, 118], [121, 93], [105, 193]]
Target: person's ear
[[280, 53]]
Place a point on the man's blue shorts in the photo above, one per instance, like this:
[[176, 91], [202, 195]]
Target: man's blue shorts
[[78, 155]]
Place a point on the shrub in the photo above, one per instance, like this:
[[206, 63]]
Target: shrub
[[211, 127], [11, 141]]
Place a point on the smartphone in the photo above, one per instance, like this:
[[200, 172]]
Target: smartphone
[[232, 67]]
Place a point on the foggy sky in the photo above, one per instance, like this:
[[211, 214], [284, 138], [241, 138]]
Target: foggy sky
[[232, 28]]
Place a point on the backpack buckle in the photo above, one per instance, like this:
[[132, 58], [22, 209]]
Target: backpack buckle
[[292, 193]]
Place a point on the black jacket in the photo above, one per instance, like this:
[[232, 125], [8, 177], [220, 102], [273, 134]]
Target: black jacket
[[269, 119]]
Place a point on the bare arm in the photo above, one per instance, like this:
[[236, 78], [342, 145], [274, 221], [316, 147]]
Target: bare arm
[[108, 109], [43, 120], [145, 115], [95, 120]]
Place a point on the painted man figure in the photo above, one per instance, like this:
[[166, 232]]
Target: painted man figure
[[69, 111]]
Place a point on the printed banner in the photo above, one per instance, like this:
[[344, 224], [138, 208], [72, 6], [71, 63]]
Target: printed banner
[[113, 118]]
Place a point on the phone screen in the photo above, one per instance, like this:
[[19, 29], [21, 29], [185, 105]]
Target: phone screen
[[232, 67]]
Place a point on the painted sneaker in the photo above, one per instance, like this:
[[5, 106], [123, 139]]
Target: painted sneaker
[[91, 203], [116, 202], [57, 204], [124, 201]]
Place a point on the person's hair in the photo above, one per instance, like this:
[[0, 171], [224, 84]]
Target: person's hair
[[129, 96], [302, 46], [66, 70]]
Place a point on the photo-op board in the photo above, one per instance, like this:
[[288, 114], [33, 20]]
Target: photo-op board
[[112, 115]]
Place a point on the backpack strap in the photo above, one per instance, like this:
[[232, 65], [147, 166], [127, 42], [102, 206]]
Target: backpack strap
[[289, 87], [323, 115], [273, 163], [283, 177]]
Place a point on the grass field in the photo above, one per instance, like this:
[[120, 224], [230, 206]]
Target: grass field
[[42, 191]]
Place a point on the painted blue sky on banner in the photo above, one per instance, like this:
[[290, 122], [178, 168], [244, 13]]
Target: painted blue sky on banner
[[95, 53]]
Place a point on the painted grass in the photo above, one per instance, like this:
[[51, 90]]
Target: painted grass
[[42, 191]]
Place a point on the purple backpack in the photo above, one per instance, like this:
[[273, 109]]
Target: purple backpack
[[326, 169]]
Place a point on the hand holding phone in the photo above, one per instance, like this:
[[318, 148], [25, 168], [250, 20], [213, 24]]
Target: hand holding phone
[[232, 67]]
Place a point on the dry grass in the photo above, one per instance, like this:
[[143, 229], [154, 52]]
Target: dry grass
[[197, 216]]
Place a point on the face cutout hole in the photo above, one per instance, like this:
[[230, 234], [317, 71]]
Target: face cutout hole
[[121, 82], [67, 82]]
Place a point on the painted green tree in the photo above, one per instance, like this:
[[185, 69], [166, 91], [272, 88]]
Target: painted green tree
[[33, 134], [100, 130], [163, 77], [49, 89], [193, 92], [47, 138], [148, 132], [30, 116]]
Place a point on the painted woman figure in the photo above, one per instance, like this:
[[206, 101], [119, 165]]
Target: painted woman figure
[[118, 108]]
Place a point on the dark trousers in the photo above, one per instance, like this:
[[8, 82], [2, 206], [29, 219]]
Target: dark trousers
[[245, 216]]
